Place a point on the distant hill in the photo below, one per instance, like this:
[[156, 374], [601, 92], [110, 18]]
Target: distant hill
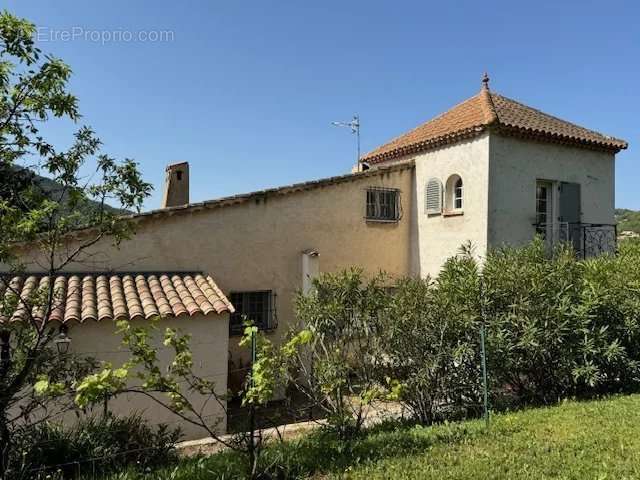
[[628, 220], [17, 179], [53, 188]]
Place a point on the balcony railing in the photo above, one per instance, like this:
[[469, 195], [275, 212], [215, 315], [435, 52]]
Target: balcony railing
[[588, 239]]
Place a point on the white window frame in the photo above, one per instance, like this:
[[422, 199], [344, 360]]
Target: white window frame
[[452, 197]]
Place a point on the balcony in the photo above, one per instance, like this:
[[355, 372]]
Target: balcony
[[588, 239]]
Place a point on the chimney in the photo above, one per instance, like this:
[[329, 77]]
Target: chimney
[[176, 185]]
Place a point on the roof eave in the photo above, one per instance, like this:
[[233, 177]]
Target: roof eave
[[614, 145], [424, 146]]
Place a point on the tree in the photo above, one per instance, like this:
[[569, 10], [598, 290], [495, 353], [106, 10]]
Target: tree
[[33, 89]]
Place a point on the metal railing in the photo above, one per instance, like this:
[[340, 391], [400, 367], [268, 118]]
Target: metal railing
[[588, 239]]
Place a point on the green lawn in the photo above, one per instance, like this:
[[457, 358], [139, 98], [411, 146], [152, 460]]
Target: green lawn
[[575, 440], [590, 440]]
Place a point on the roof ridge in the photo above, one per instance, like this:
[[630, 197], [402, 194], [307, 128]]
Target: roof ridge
[[488, 108]]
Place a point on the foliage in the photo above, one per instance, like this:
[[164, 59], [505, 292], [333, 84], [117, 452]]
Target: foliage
[[556, 327], [175, 384], [532, 327], [334, 354], [628, 220], [431, 342], [559, 326], [100, 445], [36, 223]]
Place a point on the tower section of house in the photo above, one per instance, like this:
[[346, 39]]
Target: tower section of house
[[491, 172]]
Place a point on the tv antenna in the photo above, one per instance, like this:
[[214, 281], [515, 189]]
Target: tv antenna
[[354, 125]]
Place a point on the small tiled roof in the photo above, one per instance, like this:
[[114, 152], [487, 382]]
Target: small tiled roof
[[490, 110], [111, 296]]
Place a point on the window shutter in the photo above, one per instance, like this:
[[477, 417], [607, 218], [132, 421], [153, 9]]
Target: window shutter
[[433, 197]]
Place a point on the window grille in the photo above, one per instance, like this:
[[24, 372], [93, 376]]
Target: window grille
[[258, 307], [383, 204], [433, 197]]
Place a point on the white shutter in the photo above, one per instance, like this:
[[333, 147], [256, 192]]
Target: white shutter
[[433, 197]]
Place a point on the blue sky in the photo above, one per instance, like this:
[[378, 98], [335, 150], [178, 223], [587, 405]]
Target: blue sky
[[246, 91]]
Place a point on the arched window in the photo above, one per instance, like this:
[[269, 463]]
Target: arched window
[[455, 194]]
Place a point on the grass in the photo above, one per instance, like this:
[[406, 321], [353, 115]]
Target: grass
[[575, 440], [590, 440]]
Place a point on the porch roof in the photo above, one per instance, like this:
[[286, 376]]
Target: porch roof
[[109, 296]]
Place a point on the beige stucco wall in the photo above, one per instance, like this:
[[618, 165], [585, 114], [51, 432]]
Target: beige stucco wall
[[209, 346], [516, 164], [440, 236], [258, 244]]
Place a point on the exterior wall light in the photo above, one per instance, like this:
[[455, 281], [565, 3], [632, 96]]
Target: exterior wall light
[[63, 340]]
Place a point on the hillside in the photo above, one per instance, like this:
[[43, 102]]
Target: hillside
[[53, 188], [628, 220], [13, 179]]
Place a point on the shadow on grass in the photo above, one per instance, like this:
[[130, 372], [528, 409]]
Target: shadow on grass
[[321, 452]]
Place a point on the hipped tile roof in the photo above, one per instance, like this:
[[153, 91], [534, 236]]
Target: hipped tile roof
[[490, 110], [110, 296]]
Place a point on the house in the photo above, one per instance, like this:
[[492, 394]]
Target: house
[[490, 171]]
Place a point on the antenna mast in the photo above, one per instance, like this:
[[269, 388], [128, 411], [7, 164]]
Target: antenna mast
[[354, 125]]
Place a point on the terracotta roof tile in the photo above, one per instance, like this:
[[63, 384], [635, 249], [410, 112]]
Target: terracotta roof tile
[[488, 110], [110, 296]]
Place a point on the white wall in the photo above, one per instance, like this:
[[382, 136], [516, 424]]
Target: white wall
[[440, 236], [516, 164]]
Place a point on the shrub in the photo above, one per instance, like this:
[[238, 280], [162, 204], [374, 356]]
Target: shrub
[[335, 365], [431, 341], [559, 326], [99, 445], [530, 298]]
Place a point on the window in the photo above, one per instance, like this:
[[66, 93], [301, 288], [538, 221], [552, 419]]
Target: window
[[258, 307], [433, 197], [455, 194], [543, 208], [383, 204], [541, 203]]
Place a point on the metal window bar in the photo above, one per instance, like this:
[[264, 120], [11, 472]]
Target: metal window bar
[[383, 204], [258, 306]]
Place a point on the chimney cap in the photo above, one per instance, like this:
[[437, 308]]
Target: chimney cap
[[173, 166]]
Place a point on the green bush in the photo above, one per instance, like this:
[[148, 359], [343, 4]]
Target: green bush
[[431, 342], [97, 445], [556, 327], [559, 326]]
